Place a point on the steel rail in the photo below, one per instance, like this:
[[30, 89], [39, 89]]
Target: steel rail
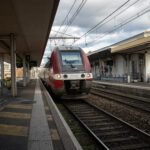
[[133, 102], [110, 131]]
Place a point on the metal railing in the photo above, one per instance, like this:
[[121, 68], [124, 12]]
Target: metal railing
[[134, 77], [110, 78]]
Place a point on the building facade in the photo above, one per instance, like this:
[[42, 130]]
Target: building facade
[[126, 61]]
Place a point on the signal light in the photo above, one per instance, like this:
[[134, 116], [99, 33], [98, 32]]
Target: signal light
[[57, 76]]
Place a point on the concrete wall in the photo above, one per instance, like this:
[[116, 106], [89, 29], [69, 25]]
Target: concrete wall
[[119, 66], [135, 59]]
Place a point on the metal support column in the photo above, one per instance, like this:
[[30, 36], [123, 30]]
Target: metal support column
[[13, 65], [24, 71], [2, 72]]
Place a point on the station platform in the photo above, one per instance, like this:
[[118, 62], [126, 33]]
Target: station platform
[[26, 122], [137, 88]]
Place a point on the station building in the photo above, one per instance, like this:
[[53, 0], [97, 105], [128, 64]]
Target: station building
[[126, 61]]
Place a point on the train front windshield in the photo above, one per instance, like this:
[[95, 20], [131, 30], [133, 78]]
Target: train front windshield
[[71, 58]]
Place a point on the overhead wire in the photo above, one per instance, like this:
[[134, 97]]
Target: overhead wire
[[66, 16], [119, 13], [74, 15], [140, 13], [61, 33], [103, 23], [104, 19], [70, 21], [98, 25]]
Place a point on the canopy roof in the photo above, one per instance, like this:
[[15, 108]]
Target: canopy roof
[[138, 43], [30, 21]]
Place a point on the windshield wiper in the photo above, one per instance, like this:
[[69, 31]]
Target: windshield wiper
[[68, 62]]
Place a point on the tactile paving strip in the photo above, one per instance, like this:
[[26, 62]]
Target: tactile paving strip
[[14, 126]]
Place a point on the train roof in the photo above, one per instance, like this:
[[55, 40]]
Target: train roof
[[68, 48]]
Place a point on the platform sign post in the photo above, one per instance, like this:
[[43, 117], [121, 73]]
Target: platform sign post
[[13, 65]]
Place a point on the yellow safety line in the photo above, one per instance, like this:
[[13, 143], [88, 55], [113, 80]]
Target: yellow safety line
[[49, 117], [15, 115], [20, 106], [13, 130], [54, 134], [46, 108]]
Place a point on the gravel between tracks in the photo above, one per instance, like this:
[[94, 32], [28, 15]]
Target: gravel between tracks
[[128, 114]]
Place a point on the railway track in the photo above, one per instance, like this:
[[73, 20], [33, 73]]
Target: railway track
[[136, 102], [111, 132]]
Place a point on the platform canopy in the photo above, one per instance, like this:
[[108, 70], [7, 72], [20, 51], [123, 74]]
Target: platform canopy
[[100, 54], [139, 43], [30, 21]]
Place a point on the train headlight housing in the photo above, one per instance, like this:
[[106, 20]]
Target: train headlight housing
[[65, 76], [82, 75], [89, 75], [57, 76]]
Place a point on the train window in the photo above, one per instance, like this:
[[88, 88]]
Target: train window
[[71, 58]]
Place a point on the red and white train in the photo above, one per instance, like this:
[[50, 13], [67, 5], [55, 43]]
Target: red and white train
[[68, 73]]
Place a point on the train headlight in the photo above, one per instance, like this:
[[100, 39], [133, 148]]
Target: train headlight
[[88, 75], [58, 76]]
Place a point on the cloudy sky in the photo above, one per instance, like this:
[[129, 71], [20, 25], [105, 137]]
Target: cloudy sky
[[98, 23]]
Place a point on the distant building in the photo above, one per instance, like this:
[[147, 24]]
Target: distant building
[[126, 61]]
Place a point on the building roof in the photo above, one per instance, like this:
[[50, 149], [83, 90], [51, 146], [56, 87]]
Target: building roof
[[136, 43], [140, 41], [99, 51]]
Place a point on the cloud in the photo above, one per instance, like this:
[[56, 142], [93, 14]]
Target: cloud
[[95, 11]]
